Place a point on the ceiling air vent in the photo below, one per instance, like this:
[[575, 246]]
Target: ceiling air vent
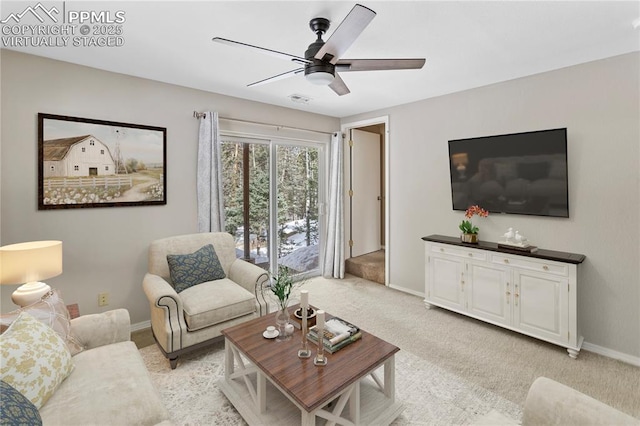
[[299, 99]]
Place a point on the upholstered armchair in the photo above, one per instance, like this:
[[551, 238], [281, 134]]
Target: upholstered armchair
[[187, 314]]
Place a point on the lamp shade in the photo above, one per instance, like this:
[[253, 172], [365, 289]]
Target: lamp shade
[[31, 261]]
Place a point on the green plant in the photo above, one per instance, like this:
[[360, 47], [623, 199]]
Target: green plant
[[466, 226], [282, 285]]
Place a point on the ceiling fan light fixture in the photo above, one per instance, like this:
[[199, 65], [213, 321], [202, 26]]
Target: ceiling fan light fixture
[[320, 78]]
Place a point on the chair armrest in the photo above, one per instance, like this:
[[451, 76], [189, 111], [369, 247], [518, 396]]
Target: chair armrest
[[167, 312], [247, 274], [156, 288], [102, 329], [252, 278], [551, 403]]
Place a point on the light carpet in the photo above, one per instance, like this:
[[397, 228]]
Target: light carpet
[[431, 395], [457, 360]]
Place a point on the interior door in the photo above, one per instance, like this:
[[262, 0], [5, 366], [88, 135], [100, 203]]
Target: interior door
[[362, 170]]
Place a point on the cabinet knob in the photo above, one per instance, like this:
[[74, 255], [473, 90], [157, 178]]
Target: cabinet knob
[[441, 249], [470, 254], [545, 267], [506, 261]]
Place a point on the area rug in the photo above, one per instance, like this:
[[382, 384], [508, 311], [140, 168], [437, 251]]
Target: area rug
[[431, 395]]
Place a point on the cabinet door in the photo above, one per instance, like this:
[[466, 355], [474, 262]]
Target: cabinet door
[[444, 286], [488, 292], [540, 303]]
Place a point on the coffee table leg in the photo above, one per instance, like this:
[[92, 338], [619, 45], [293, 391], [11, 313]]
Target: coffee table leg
[[261, 385], [228, 360], [390, 378], [354, 404], [308, 419]]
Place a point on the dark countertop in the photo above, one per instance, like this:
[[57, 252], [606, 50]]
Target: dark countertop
[[558, 256]]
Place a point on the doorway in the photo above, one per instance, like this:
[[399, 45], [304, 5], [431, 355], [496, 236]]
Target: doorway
[[366, 199]]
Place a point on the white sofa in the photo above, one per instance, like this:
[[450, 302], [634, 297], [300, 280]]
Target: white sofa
[[551, 403], [110, 384]]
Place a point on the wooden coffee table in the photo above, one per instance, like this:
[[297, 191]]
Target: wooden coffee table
[[268, 384]]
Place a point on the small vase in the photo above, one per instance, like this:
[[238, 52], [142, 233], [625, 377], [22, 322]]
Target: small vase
[[469, 238], [282, 324]]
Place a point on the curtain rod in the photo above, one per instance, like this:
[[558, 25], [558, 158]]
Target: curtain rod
[[198, 115]]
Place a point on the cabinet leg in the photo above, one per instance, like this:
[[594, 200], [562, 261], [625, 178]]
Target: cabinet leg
[[573, 354], [427, 305]]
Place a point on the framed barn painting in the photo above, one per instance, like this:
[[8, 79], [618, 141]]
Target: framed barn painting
[[95, 163]]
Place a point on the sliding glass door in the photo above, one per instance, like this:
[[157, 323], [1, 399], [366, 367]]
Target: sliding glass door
[[272, 201], [297, 207]]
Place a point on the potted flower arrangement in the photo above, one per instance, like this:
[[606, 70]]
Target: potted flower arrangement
[[282, 284], [469, 231]]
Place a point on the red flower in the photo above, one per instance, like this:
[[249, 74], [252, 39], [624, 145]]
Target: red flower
[[476, 210]]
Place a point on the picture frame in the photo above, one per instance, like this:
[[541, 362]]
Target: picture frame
[[84, 163]]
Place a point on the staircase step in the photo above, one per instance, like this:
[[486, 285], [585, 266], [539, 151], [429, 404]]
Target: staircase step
[[369, 266]]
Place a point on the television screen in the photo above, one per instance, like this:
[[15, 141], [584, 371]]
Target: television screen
[[520, 173]]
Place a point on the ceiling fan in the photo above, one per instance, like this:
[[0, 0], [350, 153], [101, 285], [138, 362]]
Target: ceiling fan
[[321, 63]]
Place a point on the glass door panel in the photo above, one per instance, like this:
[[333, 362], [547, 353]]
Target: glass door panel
[[245, 177], [298, 234]]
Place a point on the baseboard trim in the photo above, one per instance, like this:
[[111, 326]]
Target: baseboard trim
[[406, 290], [610, 353], [141, 325]]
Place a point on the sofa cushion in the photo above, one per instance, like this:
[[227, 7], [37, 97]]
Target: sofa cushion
[[52, 311], [195, 268], [110, 385], [35, 360], [214, 302], [15, 409]]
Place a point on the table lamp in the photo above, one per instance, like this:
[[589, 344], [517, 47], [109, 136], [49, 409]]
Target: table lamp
[[27, 264]]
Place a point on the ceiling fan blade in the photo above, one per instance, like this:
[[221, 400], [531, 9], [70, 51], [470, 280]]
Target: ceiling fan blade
[[270, 52], [345, 65], [346, 33], [338, 86], [277, 77]]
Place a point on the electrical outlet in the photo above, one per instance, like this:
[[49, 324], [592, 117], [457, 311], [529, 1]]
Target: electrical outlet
[[103, 299]]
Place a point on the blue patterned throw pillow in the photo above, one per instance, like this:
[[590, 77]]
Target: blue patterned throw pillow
[[187, 270], [15, 408]]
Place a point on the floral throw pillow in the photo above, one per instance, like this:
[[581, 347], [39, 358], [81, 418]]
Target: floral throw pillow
[[187, 270], [34, 359]]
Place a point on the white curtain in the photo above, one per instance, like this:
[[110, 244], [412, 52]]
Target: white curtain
[[209, 180], [334, 247]]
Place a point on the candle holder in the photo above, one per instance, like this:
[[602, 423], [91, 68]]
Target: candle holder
[[304, 352], [320, 360]]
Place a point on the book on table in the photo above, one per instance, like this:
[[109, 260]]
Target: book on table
[[338, 333]]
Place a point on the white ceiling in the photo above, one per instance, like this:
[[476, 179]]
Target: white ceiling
[[466, 44]]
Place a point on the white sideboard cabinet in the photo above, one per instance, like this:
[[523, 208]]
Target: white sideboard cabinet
[[530, 293]]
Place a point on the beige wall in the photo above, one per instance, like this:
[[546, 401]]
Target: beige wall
[[599, 104], [105, 249]]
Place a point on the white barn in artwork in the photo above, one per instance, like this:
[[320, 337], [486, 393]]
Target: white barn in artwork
[[77, 157]]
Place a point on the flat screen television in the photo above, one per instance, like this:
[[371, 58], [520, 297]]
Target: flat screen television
[[519, 173]]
